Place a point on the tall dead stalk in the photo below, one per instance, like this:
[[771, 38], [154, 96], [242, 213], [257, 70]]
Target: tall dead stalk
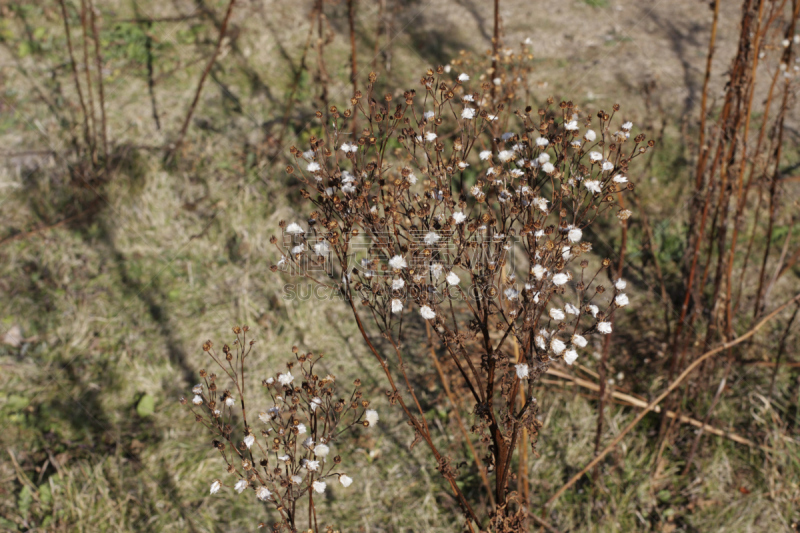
[[213, 59]]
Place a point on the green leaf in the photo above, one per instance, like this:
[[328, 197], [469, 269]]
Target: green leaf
[[45, 496], [24, 49], [15, 402], [146, 406], [24, 500]]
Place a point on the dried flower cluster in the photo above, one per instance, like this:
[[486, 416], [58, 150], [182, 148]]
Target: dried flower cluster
[[453, 209], [289, 453]]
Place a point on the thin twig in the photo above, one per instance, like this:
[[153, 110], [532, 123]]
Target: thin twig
[[632, 401], [351, 17], [603, 366], [495, 43], [75, 75], [781, 350], [223, 28], [48, 227], [100, 90], [699, 436], [461, 426], [663, 395], [148, 44], [89, 80]]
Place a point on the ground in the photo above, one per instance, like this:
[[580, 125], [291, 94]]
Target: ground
[[108, 310]]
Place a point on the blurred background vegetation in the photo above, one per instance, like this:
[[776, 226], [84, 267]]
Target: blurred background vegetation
[[121, 253]]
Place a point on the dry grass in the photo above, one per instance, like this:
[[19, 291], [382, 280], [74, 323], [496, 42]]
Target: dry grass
[[116, 306]]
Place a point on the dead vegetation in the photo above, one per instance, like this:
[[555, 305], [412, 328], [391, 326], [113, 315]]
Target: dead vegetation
[[145, 149]]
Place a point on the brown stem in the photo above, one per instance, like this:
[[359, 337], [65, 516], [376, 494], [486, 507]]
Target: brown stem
[[711, 408], [351, 18], [396, 394], [461, 426], [89, 81], [787, 54], [151, 85], [100, 90], [663, 395], [701, 161], [75, 75], [495, 44], [602, 367], [781, 351], [223, 28], [523, 487]]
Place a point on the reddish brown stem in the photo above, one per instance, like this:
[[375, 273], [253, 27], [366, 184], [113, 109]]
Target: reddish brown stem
[[351, 18], [86, 136], [100, 90], [93, 121], [223, 28], [673, 385]]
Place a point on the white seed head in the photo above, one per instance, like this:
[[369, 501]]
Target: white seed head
[[570, 356], [558, 346], [579, 341], [427, 313], [321, 450], [452, 279], [397, 306]]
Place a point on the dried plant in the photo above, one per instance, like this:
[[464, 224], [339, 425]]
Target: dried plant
[[289, 458], [717, 305], [433, 208]]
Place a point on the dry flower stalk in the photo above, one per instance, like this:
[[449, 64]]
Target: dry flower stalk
[[287, 454], [427, 207]]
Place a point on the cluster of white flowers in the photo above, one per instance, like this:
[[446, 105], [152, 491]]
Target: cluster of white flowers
[[304, 456], [585, 167]]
